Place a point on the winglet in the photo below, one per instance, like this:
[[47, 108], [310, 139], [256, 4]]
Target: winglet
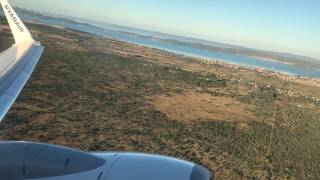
[[20, 32]]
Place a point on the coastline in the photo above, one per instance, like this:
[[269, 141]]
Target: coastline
[[306, 87], [282, 75], [314, 81], [231, 62]]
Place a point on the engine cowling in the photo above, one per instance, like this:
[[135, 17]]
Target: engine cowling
[[34, 161]]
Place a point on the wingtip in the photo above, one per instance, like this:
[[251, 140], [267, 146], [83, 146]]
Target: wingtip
[[19, 30]]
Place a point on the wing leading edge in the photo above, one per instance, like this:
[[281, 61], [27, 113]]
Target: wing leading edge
[[18, 62]]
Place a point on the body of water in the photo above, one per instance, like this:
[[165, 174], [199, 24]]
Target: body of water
[[241, 60]]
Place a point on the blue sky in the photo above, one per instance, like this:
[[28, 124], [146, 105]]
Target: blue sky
[[279, 25]]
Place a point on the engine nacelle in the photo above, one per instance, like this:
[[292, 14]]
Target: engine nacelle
[[34, 161]]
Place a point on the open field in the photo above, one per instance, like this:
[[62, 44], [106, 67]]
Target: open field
[[199, 106], [98, 94]]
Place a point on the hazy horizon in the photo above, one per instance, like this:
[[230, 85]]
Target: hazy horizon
[[292, 29]]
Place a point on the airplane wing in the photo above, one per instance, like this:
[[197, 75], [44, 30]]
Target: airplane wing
[[18, 62]]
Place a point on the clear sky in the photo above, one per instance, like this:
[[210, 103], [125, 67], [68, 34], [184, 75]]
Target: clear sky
[[280, 25]]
